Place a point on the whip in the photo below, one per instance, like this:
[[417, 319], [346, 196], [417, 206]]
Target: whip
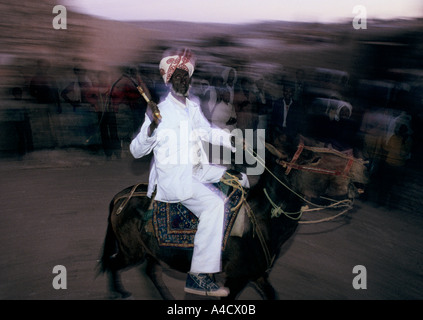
[[141, 91]]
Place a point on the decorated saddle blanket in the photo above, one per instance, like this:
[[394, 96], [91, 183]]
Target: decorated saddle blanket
[[175, 226]]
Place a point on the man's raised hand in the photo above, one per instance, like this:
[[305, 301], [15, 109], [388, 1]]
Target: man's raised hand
[[154, 114]]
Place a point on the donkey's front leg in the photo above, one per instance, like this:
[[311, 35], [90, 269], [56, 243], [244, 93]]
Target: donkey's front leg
[[264, 288]]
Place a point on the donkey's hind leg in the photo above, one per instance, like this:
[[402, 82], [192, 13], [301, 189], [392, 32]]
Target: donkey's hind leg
[[155, 272], [116, 287]]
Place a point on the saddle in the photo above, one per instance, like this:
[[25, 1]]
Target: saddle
[[175, 226]]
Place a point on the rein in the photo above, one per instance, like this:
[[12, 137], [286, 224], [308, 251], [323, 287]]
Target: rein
[[293, 165], [234, 182], [277, 210], [128, 197]]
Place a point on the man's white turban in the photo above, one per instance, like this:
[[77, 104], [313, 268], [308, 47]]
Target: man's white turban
[[183, 59]]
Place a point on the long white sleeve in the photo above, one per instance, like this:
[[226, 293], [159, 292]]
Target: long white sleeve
[[142, 144]]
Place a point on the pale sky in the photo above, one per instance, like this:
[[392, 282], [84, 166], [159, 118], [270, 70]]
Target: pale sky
[[241, 11]]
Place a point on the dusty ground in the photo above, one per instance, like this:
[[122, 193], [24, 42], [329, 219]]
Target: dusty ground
[[54, 212]]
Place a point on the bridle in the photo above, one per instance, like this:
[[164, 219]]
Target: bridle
[[277, 211], [310, 168]]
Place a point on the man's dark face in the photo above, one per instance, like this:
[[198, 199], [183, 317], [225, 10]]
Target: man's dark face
[[180, 81], [288, 93]]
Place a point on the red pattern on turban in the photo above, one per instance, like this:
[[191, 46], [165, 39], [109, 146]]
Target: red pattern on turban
[[182, 59]]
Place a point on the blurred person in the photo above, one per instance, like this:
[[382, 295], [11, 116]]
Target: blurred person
[[245, 103], [75, 92], [397, 120], [246, 108], [180, 172], [374, 125], [264, 102], [287, 120], [207, 98], [300, 87], [20, 118], [391, 172], [217, 85], [210, 95], [98, 95], [197, 88], [43, 86], [336, 128], [343, 129], [230, 78], [224, 115], [217, 82]]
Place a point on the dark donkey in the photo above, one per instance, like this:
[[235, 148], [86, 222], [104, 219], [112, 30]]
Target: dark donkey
[[273, 210]]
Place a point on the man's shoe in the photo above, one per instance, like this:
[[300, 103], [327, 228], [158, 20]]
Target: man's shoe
[[203, 285]]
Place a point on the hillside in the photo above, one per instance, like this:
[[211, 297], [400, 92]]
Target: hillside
[[275, 47]]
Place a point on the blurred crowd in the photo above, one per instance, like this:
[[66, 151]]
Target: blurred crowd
[[379, 121]]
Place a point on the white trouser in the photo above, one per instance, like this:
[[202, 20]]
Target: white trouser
[[209, 208]]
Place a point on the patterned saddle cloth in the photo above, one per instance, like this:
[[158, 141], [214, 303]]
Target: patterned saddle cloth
[[175, 226]]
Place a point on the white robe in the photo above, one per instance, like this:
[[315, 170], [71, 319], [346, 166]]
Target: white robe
[[180, 168], [177, 148]]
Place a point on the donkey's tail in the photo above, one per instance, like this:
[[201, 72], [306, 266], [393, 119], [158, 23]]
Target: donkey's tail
[[108, 260]]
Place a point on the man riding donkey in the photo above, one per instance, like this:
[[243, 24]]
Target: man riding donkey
[[180, 170]]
